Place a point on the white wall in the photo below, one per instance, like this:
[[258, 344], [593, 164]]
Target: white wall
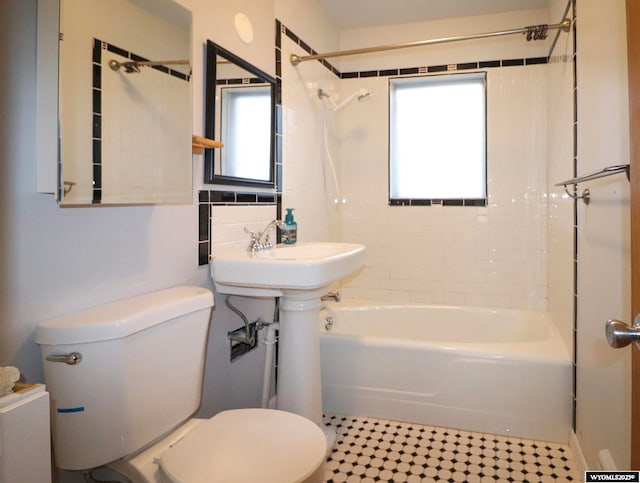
[[55, 261], [604, 290]]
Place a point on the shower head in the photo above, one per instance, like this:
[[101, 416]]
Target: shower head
[[360, 95]]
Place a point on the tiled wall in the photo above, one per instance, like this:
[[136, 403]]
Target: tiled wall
[[489, 256], [494, 255]]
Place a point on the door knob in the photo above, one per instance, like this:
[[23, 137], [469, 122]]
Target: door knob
[[619, 334]]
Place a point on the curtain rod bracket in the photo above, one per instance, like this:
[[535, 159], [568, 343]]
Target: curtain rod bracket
[[585, 196]]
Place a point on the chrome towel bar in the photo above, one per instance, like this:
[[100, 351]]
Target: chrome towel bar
[[602, 173]]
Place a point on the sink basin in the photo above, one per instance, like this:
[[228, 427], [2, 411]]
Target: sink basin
[[303, 266]]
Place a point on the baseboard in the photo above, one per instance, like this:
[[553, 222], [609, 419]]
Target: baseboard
[[578, 455]]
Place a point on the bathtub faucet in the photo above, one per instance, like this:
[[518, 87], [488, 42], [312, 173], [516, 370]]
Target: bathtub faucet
[[261, 241]]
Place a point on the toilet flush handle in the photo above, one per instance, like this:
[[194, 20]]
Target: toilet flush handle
[[72, 359]]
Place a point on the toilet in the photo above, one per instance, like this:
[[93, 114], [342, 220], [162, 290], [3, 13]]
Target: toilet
[[125, 380]]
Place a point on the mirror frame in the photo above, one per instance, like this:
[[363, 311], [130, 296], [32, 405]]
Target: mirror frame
[[210, 177]]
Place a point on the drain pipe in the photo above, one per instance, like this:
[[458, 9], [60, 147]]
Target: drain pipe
[[270, 342], [269, 354]]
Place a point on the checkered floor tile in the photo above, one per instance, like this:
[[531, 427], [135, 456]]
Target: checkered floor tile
[[369, 450]]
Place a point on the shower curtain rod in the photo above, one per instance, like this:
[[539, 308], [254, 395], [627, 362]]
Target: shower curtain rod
[[535, 32]]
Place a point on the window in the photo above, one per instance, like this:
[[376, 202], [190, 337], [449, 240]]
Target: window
[[245, 132], [437, 138]]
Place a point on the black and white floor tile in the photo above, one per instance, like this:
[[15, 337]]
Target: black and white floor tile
[[370, 450]]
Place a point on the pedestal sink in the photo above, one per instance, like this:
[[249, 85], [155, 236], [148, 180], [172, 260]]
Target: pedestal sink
[[300, 274]]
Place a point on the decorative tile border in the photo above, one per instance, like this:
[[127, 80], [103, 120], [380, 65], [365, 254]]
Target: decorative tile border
[[208, 199], [96, 59], [430, 69]]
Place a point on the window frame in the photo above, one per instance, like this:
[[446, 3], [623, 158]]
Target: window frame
[[428, 201]]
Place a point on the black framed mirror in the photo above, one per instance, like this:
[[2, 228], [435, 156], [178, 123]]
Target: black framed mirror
[[240, 112]]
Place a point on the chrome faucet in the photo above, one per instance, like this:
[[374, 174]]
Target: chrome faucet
[[262, 241]]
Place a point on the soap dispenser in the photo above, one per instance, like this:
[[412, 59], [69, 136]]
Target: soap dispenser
[[289, 232]]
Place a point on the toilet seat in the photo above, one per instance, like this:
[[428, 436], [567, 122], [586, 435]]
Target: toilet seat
[[247, 445]]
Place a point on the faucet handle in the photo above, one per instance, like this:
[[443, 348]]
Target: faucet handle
[[253, 240]]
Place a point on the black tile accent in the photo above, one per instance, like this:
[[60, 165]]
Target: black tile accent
[[279, 177], [279, 119], [246, 198], [292, 36], [369, 73], [488, 64], [222, 196], [429, 202], [266, 198], [420, 202], [512, 62], [97, 176], [204, 210], [97, 101], [536, 60], [305, 47], [117, 50], [203, 196], [97, 151], [97, 126], [160, 68], [388, 72], [478, 202], [97, 75], [410, 71], [467, 66], [399, 202], [437, 68], [348, 75], [137, 57], [203, 253], [97, 51], [278, 156], [179, 75], [278, 63]]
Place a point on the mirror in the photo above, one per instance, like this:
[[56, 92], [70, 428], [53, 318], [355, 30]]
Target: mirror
[[240, 112], [125, 103]]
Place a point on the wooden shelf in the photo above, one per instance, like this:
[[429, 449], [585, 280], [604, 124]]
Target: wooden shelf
[[199, 144]]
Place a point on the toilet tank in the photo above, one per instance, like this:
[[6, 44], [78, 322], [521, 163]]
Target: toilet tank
[[140, 373]]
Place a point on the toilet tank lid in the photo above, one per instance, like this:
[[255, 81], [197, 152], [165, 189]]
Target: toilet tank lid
[[123, 317]]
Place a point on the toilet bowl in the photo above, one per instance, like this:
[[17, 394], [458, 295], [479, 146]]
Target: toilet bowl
[[238, 445], [125, 380]]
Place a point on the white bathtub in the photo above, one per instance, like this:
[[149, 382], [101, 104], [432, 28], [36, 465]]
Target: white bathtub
[[497, 371]]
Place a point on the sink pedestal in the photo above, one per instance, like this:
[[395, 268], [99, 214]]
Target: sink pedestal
[[299, 387], [300, 274]]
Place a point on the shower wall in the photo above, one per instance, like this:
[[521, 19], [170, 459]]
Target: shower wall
[[491, 256], [303, 178]]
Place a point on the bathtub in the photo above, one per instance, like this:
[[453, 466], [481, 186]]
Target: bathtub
[[496, 371]]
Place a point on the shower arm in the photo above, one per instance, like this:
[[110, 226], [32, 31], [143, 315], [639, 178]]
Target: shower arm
[[535, 32]]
